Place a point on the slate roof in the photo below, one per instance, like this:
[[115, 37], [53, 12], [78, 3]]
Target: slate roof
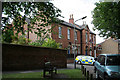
[[72, 25], [92, 32], [69, 24]]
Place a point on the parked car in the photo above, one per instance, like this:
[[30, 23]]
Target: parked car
[[85, 60], [107, 66]]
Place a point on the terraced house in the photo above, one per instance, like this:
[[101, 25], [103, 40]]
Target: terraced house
[[85, 40]]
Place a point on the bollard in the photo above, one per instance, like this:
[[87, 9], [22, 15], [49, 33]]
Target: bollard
[[85, 72], [91, 76], [87, 75], [83, 69]]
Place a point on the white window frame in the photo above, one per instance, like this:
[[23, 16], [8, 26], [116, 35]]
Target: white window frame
[[68, 33], [94, 40], [60, 31], [86, 37], [26, 33], [90, 36], [75, 35]]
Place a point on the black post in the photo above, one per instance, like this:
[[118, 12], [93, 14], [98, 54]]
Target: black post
[[83, 69], [91, 76], [87, 75], [85, 72]]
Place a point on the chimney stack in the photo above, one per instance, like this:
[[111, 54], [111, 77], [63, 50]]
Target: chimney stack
[[71, 20]]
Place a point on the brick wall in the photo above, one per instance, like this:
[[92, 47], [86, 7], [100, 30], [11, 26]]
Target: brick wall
[[84, 44], [64, 41], [20, 57]]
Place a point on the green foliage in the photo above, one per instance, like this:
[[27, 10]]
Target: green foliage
[[106, 19], [47, 43], [34, 44], [20, 40], [43, 12], [50, 43], [7, 36]]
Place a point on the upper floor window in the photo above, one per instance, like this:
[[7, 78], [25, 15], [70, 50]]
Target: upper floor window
[[68, 33], [90, 36], [75, 35], [94, 40], [60, 32], [86, 37], [26, 33]]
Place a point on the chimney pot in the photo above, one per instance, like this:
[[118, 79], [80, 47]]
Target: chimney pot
[[72, 16], [71, 20]]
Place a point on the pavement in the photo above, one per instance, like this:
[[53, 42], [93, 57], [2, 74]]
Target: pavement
[[69, 66]]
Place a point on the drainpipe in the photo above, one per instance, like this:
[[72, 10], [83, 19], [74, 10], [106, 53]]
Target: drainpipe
[[81, 40]]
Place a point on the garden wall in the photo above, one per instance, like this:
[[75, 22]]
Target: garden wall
[[21, 57]]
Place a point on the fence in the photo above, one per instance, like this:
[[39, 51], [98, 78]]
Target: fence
[[21, 57]]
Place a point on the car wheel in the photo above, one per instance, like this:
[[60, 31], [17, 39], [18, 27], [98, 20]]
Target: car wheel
[[97, 75], [106, 77], [79, 62]]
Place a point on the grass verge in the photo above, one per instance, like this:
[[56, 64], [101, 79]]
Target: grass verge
[[71, 73]]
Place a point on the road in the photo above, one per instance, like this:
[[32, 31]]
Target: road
[[88, 68]]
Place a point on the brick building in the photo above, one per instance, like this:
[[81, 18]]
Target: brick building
[[85, 40], [63, 33]]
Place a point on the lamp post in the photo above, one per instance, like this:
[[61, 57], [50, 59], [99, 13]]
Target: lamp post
[[74, 41], [28, 21]]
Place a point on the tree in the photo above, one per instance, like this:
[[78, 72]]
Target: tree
[[106, 19], [47, 43], [44, 12]]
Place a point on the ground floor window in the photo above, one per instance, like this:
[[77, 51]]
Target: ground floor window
[[60, 46], [68, 50]]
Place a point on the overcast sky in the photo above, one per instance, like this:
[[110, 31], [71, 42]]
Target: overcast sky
[[79, 9]]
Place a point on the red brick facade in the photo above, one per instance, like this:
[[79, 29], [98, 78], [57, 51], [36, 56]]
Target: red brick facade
[[64, 41], [82, 47]]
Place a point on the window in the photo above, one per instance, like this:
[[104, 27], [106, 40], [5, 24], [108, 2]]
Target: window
[[99, 48], [101, 59], [113, 60], [68, 50], [98, 59], [60, 32], [60, 46], [75, 35], [90, 36], [86, 37], [68, 33], [26, 34], [94, 39]]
